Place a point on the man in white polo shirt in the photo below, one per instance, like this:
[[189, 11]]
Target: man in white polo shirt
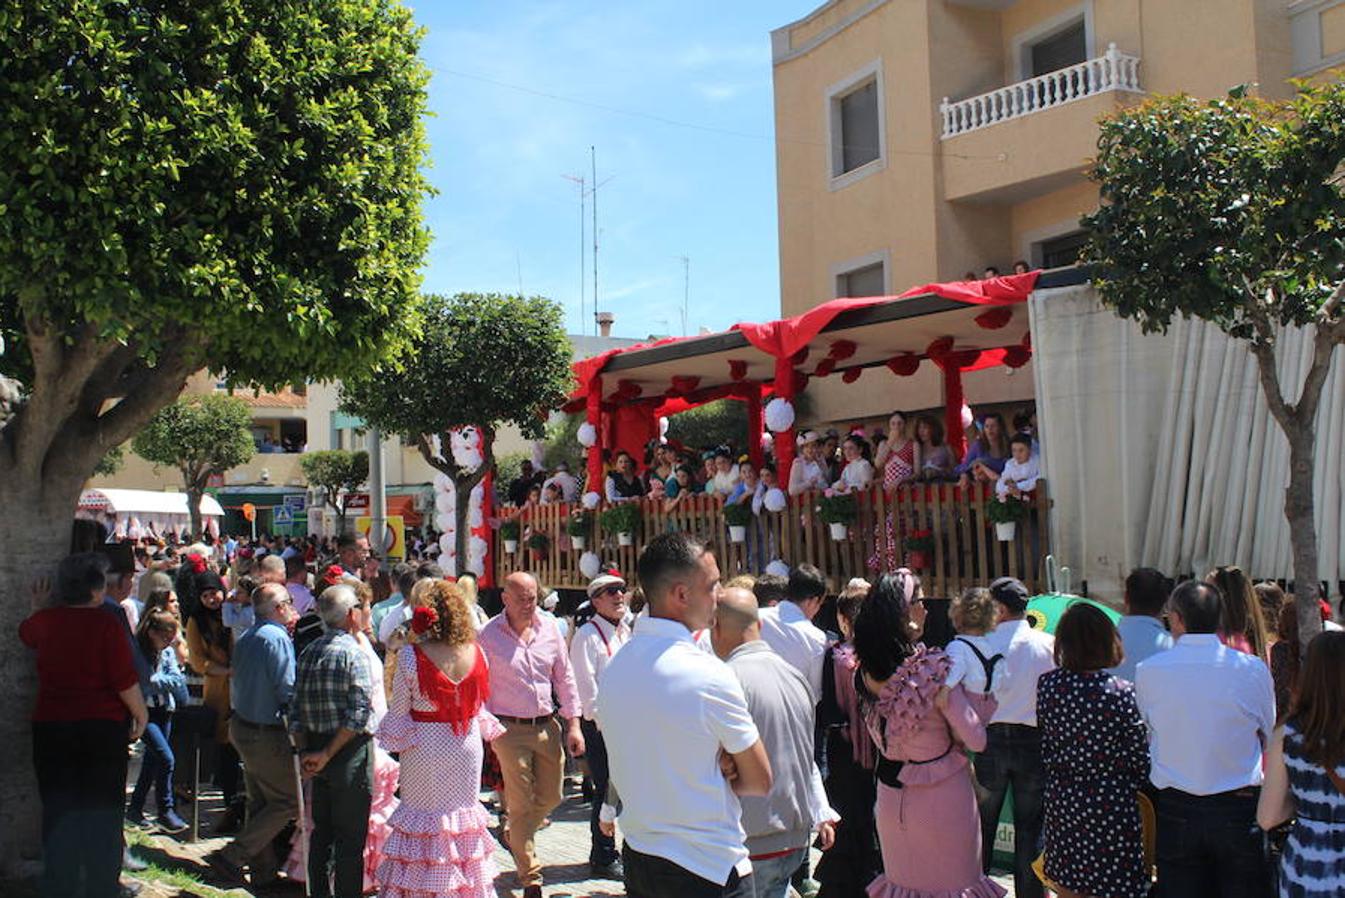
[[1210, 710], [681, 744], [789, 630], [593, 647]]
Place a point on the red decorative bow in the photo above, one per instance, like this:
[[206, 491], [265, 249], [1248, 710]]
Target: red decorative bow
[[994, 319], [825, 367], [737, 369], [842, 349], [904, 365], [851, 375]]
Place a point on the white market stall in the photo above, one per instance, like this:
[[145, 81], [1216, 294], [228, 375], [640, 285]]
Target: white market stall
[[132, 514]]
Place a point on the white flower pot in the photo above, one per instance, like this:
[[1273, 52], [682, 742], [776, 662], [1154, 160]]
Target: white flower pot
[[1005, 531], [577, 542], [738, 533], [839, 531], [625, 539], [511, 546]]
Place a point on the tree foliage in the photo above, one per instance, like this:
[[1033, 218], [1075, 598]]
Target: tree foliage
[[1232, 211], [723, 422], [110, 463], [200, 436], [480, 360], [335, 471]]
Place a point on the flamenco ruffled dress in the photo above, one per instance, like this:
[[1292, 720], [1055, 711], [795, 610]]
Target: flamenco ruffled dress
[[439, 843]]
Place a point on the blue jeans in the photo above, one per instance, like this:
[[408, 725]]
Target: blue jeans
[[156, 766], [1209, 846], [770, 877], [1012, 760]]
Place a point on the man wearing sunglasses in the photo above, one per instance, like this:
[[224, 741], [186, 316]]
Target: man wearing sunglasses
[[593, 646]]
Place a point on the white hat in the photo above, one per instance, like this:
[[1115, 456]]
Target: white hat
[[808, 436], [602, 581], [551, 601]]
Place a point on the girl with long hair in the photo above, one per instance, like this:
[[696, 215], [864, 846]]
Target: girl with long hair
[[1242, 627], [1305, 777], [155, 639]]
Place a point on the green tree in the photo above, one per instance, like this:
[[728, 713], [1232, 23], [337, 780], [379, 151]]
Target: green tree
[[200, 436], [110, 463], [712, 424], [214, 184], [480, 360], [1233, 211], [336, 472]]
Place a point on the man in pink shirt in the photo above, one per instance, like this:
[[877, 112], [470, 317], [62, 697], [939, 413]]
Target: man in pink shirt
[[528, 659]]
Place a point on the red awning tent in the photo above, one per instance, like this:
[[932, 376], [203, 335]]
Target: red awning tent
[[957, 327]]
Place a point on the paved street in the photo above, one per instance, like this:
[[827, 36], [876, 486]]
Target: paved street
[[563, 847]]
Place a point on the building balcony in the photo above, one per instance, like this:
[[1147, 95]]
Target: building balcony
[[1110, 72], [1035, 136]]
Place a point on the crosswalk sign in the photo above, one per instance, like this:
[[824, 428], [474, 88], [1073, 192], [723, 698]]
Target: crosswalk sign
[[281, 514]]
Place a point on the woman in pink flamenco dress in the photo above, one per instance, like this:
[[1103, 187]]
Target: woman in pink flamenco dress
[[439, 844], [928, 824]]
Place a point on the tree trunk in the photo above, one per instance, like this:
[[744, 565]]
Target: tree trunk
[[35, 534], [463, 486], [194, 494], [1300, 513]]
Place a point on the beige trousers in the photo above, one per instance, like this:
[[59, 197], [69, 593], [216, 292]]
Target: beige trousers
[[532, 760]]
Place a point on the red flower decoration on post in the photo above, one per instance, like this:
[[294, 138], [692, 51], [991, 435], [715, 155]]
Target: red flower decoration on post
[[994, 319], [939, 348], [422, 619]]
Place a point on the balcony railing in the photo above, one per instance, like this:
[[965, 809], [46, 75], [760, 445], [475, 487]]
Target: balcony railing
[[1112, 71], [960, 547]]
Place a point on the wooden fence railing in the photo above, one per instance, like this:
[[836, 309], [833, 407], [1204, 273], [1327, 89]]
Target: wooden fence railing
[[963, 547]]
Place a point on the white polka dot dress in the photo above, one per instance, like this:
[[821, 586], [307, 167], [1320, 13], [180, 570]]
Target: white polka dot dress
[[1095, 752]]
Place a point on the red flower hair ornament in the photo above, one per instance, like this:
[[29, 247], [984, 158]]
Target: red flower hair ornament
[[197, 563], [422, 619]]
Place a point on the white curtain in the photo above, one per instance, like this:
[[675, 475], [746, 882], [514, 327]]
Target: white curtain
[[1160, 449]]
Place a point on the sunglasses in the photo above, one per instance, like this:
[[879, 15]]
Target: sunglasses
[[612, 591]]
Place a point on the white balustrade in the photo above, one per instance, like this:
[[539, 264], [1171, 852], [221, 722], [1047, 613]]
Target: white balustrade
[[1113, 70]]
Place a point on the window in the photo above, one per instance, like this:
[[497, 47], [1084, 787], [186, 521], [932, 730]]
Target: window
[[858, 113], [1061, 251], [865, 281], [1059, 50], [855, 126]]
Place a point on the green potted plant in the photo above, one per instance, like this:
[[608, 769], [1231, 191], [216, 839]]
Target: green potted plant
[[509, 531], [579, 527], [919, 547], [738, 516], [621, 519], [838, 510], [538, 542], [1005, 512]]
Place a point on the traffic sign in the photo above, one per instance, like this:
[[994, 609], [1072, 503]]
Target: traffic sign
[[296, 502], [281, 514]]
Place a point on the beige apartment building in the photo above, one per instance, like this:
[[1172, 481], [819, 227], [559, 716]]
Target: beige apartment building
[[921, 139]]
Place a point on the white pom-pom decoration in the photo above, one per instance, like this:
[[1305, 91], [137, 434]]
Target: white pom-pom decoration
[[466, 447], [967, 418], [476, 555], [587, 435], [444, 521], [779, 415], [663, 426], [590, 564], [591, 500], [766, 439], [443, 502], [474, 516], [778, 568], [446, 544], [775, 499]]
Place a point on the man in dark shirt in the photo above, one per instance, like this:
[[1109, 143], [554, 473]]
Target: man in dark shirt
[[518, 489]]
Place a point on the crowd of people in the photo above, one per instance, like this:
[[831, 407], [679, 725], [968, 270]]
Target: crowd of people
[[907, 449], [725, 729]]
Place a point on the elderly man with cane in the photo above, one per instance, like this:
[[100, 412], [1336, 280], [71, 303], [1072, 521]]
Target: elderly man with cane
[[331, 720]]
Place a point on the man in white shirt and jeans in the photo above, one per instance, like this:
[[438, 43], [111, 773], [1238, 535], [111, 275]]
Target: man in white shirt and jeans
[[681, 743], [1210, 710], [593, 647], [1012, 756]]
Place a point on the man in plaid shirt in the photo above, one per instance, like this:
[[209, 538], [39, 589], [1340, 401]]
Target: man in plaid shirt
[[331, 717]]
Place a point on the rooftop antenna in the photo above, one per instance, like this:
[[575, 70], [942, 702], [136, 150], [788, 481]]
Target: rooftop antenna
[[582, 183], [593, 156]]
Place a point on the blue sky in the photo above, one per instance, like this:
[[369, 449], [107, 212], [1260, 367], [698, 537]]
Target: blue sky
[[505, 214]]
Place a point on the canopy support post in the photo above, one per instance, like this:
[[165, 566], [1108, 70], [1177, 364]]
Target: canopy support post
[[593, 415], [755, 426], [784, 441], [953, 401]]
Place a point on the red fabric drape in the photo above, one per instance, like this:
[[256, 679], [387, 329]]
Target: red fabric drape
[[593, 415], [784, 441], [952, 406]]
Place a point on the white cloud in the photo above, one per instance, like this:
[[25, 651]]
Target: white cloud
[[718, 93]]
